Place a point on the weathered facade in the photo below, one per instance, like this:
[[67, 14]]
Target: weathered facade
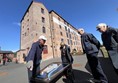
[[38, 21]]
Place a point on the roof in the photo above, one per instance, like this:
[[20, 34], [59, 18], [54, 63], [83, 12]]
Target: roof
[[21, 50], [62, 18], [28, 9], [49, 12], [6, 52]]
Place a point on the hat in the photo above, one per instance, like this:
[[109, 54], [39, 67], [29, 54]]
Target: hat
[[101, 24], [80, 29], [43, 37]]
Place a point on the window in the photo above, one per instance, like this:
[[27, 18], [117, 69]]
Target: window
[[66, 34], [61, 33], [25, 33], [70, 36], [43, 19], [43, 30], [42, 10], [59, 18], [65, 28], [27, 19], [28, 30], [71, 42], [62, 39], [68, 41], [60, 26], [69, 30]]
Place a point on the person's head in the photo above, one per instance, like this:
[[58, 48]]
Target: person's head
[[81, 31], [62, 44], [101, 27], [42, 39]]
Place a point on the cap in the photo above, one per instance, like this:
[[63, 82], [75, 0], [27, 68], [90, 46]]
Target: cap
[[101, 24], [43, 37], [80, 29]]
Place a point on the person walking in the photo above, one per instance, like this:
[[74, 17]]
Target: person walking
[[91, 47], [4, 59], [34, 58], [109, 37]]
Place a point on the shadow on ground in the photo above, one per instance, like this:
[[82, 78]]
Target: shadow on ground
[[108, 69], [80, 77]]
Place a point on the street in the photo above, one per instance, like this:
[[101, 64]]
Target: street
[[17, 73]]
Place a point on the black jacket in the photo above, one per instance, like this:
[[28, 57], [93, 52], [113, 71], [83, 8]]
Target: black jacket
[[110, 38], [89, 43], [66, 57]]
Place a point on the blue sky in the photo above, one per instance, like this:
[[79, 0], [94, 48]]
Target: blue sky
[[80, 13]]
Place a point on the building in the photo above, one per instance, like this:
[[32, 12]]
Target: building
[[9, 55], [61, 30], [37, 21]]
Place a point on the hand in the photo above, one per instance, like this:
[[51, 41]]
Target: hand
[[29, 65]]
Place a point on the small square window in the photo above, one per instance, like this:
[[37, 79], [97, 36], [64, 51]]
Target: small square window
[[43, 30], [60, 26], [61, 33], [42, 10], [62, 39], [43, 19]]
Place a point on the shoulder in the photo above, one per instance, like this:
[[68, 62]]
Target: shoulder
[[89, 35], [111, 28], [35, 44], [67, 46]]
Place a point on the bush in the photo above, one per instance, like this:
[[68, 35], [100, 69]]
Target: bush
[[104, 52], [75, 53]]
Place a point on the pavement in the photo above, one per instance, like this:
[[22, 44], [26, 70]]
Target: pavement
[[17, 73]]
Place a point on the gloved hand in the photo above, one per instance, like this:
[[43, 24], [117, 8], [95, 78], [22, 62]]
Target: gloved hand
[[29, 65]]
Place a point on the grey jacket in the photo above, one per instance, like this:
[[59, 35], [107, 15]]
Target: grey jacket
[[89, 43]]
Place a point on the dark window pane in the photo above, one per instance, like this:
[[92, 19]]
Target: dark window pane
[[65, 28], [61, 33], [42, 10], [62, 39], [43, 19], [43, 30]]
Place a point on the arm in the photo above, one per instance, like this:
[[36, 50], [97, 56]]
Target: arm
[[31, 54], [30, 57], [114, 33], [94, 40]]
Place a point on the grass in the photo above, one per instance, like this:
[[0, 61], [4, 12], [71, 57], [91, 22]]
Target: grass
[[104, 52]]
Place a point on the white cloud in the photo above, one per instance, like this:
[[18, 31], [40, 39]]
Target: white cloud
[[16, 23]]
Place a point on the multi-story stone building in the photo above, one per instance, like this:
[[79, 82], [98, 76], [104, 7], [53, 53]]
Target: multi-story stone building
[[37, 21]]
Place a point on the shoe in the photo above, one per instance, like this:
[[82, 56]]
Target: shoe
[[92, 80]]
